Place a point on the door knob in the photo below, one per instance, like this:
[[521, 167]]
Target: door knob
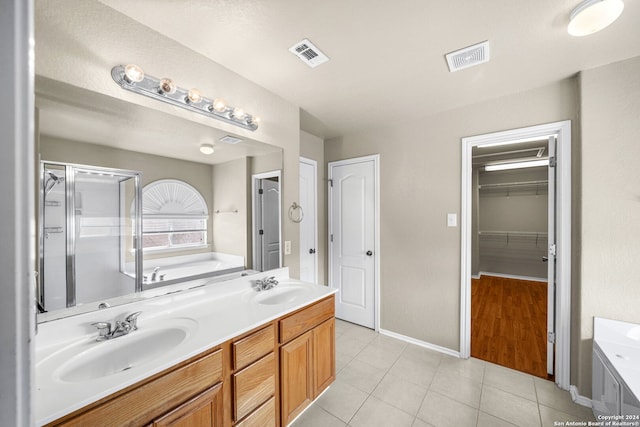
[[312, 251], [369, 253], [545, 259]]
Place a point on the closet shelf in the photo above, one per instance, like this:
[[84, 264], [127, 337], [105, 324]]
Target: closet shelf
[[519, 185]]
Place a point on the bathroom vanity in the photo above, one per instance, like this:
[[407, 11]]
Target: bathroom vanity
[[217, 355], [616, 370]]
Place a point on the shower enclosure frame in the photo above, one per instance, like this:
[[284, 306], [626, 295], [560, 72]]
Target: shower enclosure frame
[[70, 232]]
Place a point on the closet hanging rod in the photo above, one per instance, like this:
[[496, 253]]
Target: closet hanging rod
[[513, 233], [514, 184]]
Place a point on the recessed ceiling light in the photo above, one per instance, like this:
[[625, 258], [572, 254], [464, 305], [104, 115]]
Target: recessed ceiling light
[[206, 149], [591, 16]]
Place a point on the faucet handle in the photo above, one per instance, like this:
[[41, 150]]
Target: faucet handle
[[132, 320], [104, 329]]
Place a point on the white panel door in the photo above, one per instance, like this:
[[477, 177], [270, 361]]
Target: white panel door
[[352, 240], [551, 258], [308, 226]]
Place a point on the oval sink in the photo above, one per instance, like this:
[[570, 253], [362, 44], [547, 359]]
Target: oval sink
[[281, 295], [634, 333], [119, 354]]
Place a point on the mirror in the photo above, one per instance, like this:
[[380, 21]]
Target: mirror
[[100, 133]]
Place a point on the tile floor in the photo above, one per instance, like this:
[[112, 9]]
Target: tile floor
[[382, 381]]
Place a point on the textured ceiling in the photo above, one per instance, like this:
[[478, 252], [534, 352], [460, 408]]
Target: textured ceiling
[[387, 58]]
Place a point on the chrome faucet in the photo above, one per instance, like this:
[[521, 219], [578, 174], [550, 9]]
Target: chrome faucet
[[266, 283], [120, 328], [154, 275]]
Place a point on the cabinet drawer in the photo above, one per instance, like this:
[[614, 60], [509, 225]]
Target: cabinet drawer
[[264, 416], [253, 386], [253, 347], [306, 319], [145, 402]]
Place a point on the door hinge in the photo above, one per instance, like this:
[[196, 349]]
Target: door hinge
[[260, 191], [552, 250], [552, 162], [332, 238], [261, 232], [551, 337], [331, 182]]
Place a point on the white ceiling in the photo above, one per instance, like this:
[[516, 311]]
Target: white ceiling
[[387, 58]]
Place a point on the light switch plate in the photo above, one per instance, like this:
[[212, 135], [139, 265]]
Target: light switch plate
[[287, 247], [452, 220]]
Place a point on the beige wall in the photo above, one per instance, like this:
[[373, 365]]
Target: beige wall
[[610, 205], [420, 184], [78, 43], [230, 192], [312, 148]]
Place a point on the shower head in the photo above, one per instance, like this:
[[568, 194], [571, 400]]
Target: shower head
[[51, 182]]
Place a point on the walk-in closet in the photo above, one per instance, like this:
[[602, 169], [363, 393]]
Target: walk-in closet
[[509, 249]]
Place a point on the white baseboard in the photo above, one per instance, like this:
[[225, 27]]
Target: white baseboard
[[513, 276], [430, 346], [580, 400]]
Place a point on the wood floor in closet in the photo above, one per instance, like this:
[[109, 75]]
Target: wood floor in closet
[[509, 323]]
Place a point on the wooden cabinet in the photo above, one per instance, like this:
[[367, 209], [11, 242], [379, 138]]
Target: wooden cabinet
[[142, 403], [324, 360], [263, 378], [296, 376], [307, 362], [204, 410], [254, 376]]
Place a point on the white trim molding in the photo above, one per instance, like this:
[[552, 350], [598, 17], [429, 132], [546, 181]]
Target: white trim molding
[[424, 344], [510, 276], [562, 131], [577, 398]]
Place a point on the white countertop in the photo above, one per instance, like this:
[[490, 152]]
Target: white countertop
[[620, 342], [210, 315]]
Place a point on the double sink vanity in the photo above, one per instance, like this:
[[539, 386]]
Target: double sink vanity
[[238, 353]]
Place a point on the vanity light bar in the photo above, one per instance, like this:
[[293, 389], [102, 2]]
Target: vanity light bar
[[166, 90]]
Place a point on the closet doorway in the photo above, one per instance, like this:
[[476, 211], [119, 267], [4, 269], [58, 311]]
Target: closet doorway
[[512, 287], [516, 249]]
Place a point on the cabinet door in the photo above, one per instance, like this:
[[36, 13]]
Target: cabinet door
[[296, 364], [204, 410], [324, 356], [605, 389]]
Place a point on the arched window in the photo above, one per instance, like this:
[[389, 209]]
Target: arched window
[[174, 216]]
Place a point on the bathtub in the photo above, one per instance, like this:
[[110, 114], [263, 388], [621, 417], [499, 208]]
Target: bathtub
[[189, 267]]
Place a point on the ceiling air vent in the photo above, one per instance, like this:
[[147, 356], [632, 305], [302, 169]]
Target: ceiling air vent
[[230, 139], [308, 53], [468, 57]]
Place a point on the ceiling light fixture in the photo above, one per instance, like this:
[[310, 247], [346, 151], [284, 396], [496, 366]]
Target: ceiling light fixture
[[591, 16], [132, 78], [206, 149], [516, 165]]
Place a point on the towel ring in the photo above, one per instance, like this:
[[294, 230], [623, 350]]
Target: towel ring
[[295, 207]]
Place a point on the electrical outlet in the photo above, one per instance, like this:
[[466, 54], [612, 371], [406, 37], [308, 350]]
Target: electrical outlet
[[452, 220], [287, 247]]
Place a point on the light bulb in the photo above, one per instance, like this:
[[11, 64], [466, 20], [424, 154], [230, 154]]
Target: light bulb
[[133, 73], [206, 149], [194, 96], [218, 105], [167, 86], [239, 114], [255, 120]]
